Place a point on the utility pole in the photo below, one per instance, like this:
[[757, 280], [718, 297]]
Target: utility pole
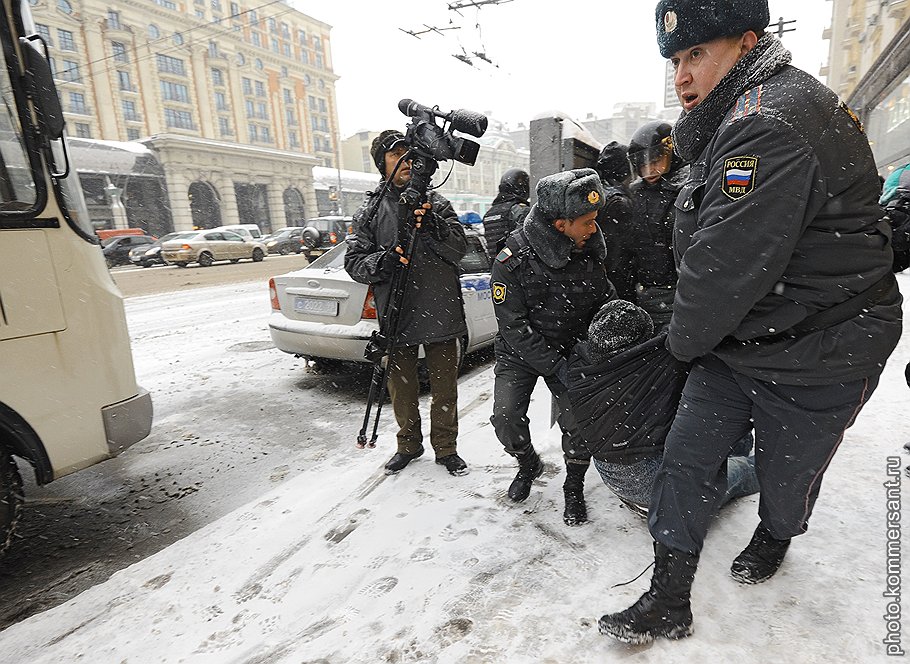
[[780, 27]]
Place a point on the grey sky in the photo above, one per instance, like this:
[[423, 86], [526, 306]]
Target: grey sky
[[579, 56]]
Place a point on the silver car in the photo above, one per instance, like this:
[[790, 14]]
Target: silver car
[[320, 312], [206, 247]]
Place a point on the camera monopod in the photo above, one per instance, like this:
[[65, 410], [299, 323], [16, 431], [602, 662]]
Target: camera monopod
[[382, 343]]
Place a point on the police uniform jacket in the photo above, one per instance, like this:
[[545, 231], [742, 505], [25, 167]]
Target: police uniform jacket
[[655, 216], [617, 222], [504, 216], [779, 220], [432, 308], [545, 293]]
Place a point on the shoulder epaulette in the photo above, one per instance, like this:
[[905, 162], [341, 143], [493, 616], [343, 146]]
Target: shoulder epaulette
[[749, 103]]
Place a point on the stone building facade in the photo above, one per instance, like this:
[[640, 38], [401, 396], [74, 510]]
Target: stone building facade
[[236, 99]]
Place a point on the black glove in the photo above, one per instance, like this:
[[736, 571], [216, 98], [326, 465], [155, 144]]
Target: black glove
[[436, 226], [388, 261], [562, 372]]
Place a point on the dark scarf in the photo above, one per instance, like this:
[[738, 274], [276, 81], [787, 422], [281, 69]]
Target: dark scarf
[[555, 248], [695, 129]]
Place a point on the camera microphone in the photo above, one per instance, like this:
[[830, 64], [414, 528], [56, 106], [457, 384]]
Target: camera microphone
[[461, 120]]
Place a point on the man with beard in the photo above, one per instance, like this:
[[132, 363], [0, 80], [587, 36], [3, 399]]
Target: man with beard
[[785, 304]]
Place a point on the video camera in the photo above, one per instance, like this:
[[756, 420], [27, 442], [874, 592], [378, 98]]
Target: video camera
[[429, 139]]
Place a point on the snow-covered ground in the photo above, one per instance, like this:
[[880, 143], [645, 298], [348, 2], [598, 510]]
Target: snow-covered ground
[[343, 564]]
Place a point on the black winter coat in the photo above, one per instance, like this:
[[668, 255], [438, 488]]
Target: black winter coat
[[779, 220], [617, 222], [505, 215], [545, 293], [432, 309]]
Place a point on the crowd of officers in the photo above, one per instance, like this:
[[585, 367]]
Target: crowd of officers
[[751, 241]]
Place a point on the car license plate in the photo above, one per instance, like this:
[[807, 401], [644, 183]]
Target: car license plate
[[319, 307]]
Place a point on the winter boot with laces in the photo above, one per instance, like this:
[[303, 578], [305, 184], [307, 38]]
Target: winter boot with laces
[[662, 611], [760, 559], [576, 511], [454, 464], [530, 467]]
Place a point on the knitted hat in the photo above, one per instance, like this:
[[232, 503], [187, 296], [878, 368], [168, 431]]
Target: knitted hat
[[570, 194], [618, 325], [387, 140], [613, 163], [682, 24]]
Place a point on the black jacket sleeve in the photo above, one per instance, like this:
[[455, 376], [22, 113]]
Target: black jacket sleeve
[[453, 246], [364, 260]]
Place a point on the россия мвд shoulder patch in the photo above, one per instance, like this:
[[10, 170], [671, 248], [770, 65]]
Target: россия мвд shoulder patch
[[739, 176]]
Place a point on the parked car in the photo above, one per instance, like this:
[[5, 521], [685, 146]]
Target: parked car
[[206, 247], [117, 249], [320, 312], [248, 231], [284, 242], [147, 255], [322, 233]]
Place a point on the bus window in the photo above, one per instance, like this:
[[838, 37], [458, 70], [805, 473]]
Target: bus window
[[17, 185]]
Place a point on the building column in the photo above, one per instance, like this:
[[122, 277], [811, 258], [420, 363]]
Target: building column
[[276, 205], [229, 213], [100, 83], [178, 194], [203, 94]]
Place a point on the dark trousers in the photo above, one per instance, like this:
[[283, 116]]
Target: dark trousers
[[797, 431], [404, 389], [512, 390]]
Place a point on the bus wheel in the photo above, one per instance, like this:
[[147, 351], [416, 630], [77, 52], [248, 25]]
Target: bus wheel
[[205, 259], [10, 498]]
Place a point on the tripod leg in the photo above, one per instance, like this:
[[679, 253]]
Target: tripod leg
[[382, 392], [375, 380]]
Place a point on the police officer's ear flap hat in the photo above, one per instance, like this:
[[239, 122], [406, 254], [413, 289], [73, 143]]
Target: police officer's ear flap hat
[[570, 194], [387, 140], [682, 24]]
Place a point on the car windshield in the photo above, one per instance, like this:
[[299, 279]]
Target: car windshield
[[328, 224]]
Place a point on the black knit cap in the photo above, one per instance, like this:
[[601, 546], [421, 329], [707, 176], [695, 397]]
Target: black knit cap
[[613, 163], [682, 24], [387, 140]]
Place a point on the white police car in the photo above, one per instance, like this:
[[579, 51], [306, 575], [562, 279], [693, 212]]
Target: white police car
[[320, 312]]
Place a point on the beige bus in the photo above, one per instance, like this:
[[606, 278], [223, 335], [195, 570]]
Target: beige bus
[[68, 392]]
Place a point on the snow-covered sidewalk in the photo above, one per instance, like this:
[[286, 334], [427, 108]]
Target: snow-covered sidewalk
[[343, 564]]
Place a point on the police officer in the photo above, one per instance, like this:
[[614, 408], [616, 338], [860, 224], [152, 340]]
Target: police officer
[[616, 217], [785, 303], [661, 175], [547, 282], [509, 209]]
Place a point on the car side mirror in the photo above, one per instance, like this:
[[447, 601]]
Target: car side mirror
[[39, 82]]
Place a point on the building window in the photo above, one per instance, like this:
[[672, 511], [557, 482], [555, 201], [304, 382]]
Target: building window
[[292, 139], [306, 80], [235, 9], [83, 130], [319, 64], [261, 111], [285, 31], [213, 50], [71, 72], [317, 43], [216, 5], [167, 4], [129, 111], [265, 134], [313, 104], [217, 77], [301, 37], [224, 126], [273, 26], [120, 54], [256, 40], [221, 101], [65, 6], [123, 77], [254, 17], [288, 98], [250, 108], [275, 47], [178, 39], [132, 134], [45, 33], [314, 123], [253, 131], [322, 106], [286, 49], [258, 64], [247, 86], [317, 144], [200, 14], [260, 89], [284, 71], [66, 40], [154, 32], [304, 56], [175, 92], [291, 117], [169, 65], [77, 103], [113, 19], [178, 119]]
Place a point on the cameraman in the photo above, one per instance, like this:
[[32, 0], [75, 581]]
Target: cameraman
[[432, 311]]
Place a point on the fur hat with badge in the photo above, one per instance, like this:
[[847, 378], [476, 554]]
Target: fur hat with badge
[[570, 194], [682, 24], [387, 140], [618, 325]]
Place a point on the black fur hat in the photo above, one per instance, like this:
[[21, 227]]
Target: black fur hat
[[570, 194], [682, 24]]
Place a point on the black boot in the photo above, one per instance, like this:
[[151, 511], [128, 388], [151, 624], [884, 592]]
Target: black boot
[[399, 461], [576, 511], [761, 559], [530, 467], [662, 611]]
